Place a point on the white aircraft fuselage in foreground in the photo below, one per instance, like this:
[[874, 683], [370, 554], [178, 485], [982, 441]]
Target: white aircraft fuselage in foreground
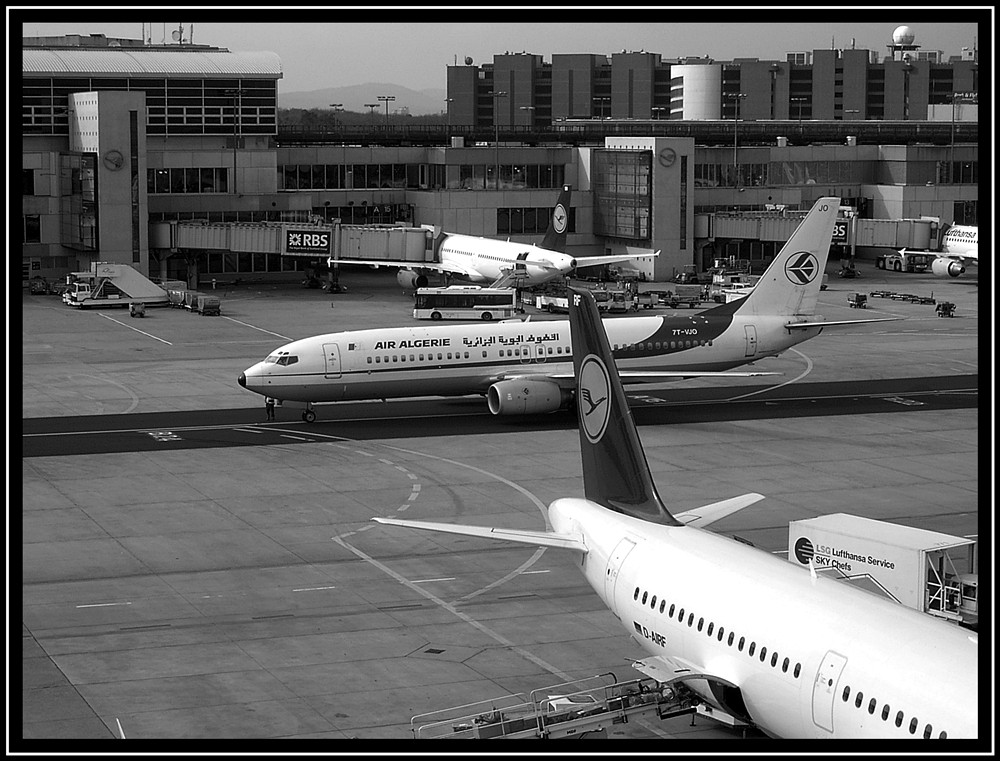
[[766, 640], [499, 262], [526, 367]]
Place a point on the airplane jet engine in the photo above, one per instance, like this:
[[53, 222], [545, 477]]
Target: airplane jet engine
[[523, 397], [411, 280], [943, 266]]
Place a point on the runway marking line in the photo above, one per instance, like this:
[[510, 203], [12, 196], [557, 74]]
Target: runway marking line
[[124, 325]]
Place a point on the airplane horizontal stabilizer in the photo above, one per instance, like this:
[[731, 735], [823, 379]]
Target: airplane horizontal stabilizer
[[836, 323], [668, 669], [535, 538], [709, 514]]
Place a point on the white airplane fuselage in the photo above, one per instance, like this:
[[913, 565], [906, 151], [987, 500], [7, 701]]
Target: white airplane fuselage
[[787, 659], [485, 260], [452, 360]]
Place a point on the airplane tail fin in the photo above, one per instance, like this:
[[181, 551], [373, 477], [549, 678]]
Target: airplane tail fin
[[791, 283], [555, 236], [615, 472]]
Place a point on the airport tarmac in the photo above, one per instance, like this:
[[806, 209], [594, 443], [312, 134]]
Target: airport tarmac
[[244, 592]]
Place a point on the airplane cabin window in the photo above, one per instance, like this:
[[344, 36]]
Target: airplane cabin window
[[784, 669], [859, 699], [763, 654], [680, 614], [885, 712], [663, 604], [913, 725], [652, 602], [636, 595], [369, 360], [484, 354], [730, 640], [871, 706], [670, 613], [644, 596], [798, 668], [927, 732], [753, 646], [708, 632], [740, 645], [690, 619], [847, 693], [774, 660], [722, 632], [378, 360], [701, 622]]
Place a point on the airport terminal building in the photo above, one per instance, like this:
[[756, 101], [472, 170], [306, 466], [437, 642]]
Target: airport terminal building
[[128, 147]]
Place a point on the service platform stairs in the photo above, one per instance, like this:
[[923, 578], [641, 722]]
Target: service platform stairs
[[571, 709]]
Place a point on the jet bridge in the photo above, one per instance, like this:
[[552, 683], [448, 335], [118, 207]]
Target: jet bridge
[[571, 709]]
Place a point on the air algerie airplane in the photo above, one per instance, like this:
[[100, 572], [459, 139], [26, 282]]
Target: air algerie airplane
[[498, 262], [765, 640], [526, 367]]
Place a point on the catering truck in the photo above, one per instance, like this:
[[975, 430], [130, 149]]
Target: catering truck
[[932, 572]]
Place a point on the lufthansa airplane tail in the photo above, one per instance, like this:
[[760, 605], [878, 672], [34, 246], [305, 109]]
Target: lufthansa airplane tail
[[790, 285], [615, 472], [555, 236]]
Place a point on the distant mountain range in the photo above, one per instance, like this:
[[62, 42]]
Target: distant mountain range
[[354, 97]]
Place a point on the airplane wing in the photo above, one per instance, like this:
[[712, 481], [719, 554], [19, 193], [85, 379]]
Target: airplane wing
[[709, 514], [534, 538], [836, 323], [667, 669], [436, 266], [594, 261], [635, 376]]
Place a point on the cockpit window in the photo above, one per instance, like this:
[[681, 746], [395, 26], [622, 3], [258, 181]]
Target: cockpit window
[[271, 358], [288, 360]]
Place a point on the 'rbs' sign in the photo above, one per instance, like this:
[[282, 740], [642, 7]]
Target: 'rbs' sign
[[307, 242]]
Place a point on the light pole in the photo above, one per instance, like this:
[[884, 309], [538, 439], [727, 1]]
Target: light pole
[[387, 99], [736, 97], [447, 111], [531, 115], [956, 97], [799, 101], [850, 111], [237, 93], [497, 94], [371, 113], [601, 101], [337, 108], [658, 112]]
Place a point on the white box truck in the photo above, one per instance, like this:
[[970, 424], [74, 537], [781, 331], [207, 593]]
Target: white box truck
[[932, 572]]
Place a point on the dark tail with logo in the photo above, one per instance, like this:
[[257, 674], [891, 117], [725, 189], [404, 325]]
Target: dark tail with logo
[[615, 472], [555, 236]]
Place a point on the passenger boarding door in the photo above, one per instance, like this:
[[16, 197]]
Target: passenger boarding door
[[825, 689], [623, 548], [332, 354], [751, 340]]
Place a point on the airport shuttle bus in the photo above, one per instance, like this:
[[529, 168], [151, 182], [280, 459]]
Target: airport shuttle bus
[[465, 302]]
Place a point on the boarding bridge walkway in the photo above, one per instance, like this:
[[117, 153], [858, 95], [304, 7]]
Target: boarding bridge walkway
[[571, 709]]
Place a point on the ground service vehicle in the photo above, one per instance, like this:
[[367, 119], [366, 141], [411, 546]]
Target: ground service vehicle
[[107, 284], [932, 572], [465, 302], [904, 261], [690, 295]]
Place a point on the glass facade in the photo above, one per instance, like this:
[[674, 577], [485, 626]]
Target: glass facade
[[78, 199], [622, 186]]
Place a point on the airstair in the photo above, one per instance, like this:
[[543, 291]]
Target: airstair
[[571, 709]]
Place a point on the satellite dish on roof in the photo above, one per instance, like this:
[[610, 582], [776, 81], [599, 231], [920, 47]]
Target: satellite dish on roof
[[468, 60]]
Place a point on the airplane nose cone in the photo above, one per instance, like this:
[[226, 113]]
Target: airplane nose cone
[[242, 380]]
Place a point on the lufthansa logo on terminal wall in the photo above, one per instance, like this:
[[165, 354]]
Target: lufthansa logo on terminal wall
[[667, 157], [594, 402], [801, 268]]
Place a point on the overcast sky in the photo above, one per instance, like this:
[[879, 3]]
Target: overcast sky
[[318, 53]]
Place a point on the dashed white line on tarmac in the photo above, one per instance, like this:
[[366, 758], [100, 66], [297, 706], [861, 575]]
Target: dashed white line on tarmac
[[103, 604]]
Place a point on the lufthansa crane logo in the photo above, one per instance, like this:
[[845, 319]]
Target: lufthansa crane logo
[[559, 218], [594, 401], [667, 157], [801, 268]]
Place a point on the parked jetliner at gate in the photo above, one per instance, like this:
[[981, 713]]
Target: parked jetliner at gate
[[526, 367], [959, 249], [499, 262], [766, 640]]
